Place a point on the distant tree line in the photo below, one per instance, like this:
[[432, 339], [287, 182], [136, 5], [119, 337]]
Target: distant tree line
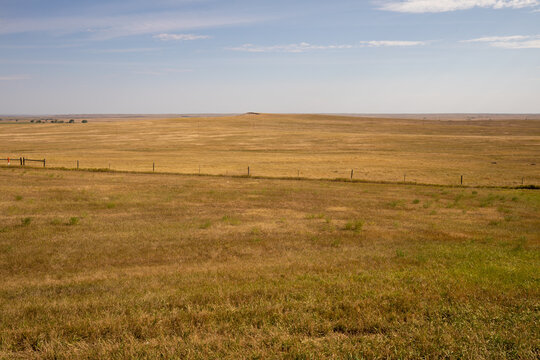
[[55, 121]]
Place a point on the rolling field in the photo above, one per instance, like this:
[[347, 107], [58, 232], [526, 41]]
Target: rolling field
[[98, 264], [498, 152], [109, 265]]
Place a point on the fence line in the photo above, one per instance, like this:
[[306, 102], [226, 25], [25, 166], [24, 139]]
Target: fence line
[[23, 162]]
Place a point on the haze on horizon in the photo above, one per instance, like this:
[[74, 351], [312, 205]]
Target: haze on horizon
[[209, 56]]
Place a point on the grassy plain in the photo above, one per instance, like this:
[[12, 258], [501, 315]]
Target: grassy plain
[[498, 152], [127, 265], [109, 265]]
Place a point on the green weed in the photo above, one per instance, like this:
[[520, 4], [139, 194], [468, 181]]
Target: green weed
[[230, 220], [56, 221], [354, 225], [205, 225]]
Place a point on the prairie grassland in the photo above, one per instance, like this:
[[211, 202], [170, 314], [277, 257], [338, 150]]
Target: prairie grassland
[[499, 152], [108, 265]]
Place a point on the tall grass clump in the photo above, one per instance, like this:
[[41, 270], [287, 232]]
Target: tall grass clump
[[354, 225]]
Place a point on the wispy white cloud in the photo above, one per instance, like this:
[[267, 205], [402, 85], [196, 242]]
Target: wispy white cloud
[[14, 77], [180, 37], [529, 44], [40, 46], [498, 38], [107, 27], [122, 51], [393, 43], [509, 42], [304, 46], [163, 71], [437, 6], [290, 48]]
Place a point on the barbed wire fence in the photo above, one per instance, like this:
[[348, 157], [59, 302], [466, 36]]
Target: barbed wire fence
[[348, 175]]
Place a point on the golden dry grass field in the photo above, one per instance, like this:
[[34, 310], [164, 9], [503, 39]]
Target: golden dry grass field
[[105, 265], [497, 152], [99, 265]]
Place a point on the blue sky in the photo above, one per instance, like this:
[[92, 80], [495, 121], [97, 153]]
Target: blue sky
[[216, 56]]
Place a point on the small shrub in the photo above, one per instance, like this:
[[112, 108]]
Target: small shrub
[[420, 258], [230, 220], [18, 197], [255, 231], [520, 243], [205, 225], [474, 192], [56, 221], [315, 216], [111, 205], [335, 243], [84, 121], [511, 218], [416, 201], [26, 221], [73, 221], [400, 253], [354, 225], [504, 210]]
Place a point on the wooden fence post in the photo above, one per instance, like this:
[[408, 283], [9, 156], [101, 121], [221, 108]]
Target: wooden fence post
[[153, 167], [461, 179], [352, 174], [21, 161], [43, 162], [77, 164], [248, 170]]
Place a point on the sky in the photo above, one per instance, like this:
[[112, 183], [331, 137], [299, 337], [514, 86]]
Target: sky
[[280, 56]]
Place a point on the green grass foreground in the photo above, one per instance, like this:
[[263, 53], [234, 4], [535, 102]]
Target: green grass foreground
[[117, 265]]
